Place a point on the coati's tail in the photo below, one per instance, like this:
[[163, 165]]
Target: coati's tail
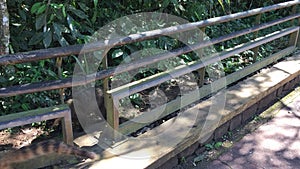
[[43, 148]]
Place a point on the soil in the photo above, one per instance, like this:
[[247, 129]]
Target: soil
[[156, 96], [19, 137]]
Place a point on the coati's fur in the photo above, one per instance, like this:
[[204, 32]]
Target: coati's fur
[[40, 149]]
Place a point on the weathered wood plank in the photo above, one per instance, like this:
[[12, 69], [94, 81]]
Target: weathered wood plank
[[149, 151], [197, 94], [137, 86], [255, 50], [38, 114]]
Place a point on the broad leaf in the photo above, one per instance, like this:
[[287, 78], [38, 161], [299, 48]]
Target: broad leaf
[[35, 7], [78, 13], [47, 39], [41, 9], [37, 38], [40, 21], [22, 14], [95, 3]]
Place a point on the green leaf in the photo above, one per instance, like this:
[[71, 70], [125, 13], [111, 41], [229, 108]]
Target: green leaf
[[117, 53], [165, 3], [40, 21], [79, 13], [3, 80], [199, 158], [41, 9], [95, 3], [47, 39], [181, 7], [62, 41], [218, 144], [70, 21], [222, 4], [64, 11], [209, 146], [56, 6], [83, 6], [37, 38], [94, 18], [35, 7], [53, 74], [16, 106], [52, 16], [22, 14], [174, 2], [59, 28], [42, 63]]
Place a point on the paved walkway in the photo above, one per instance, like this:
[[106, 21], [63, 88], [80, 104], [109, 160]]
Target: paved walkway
[[275, 144]]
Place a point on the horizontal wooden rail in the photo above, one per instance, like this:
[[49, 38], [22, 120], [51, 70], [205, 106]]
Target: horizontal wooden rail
[[76, 49], [159, 78], [82, 80], [192, 96]]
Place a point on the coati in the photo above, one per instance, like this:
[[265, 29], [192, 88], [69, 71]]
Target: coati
[[40, 149]]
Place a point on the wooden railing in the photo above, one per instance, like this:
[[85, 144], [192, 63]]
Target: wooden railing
[[114, 94]]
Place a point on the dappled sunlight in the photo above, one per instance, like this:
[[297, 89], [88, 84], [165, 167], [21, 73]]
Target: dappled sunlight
[[247, 92], [274, 77], [275, 144]]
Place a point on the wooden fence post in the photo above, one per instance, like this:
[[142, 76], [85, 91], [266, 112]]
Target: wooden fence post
[[201, 71], [255, 50], [112, 114], [59, 73], [294, 37]]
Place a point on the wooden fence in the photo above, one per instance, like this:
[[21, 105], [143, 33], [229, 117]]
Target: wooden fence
[[114, 94]]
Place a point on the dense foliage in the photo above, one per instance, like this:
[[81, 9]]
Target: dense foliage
[[44, 24]]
